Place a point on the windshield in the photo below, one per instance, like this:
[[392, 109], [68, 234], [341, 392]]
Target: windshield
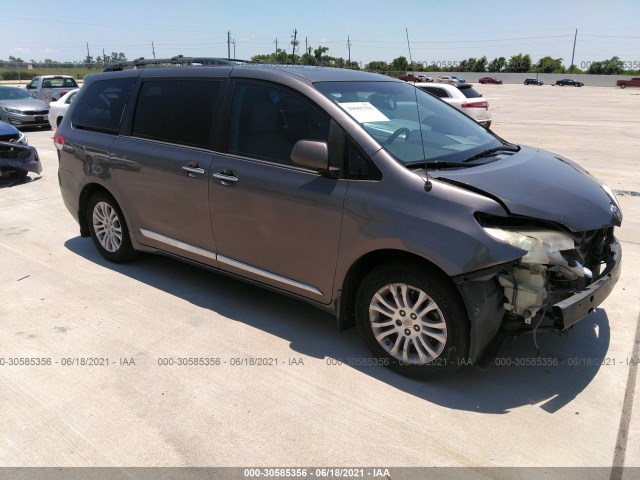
[[13, 93], [410, 124]]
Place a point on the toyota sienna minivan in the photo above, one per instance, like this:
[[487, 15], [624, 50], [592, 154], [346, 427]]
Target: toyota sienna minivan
[[356, 192]]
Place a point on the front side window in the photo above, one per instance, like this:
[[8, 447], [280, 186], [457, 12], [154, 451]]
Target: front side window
[[176, 111], [409, 123], [266, 121], [102, 105]]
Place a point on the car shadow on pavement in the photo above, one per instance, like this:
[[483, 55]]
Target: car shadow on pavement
[[12, 181], [564, 367]]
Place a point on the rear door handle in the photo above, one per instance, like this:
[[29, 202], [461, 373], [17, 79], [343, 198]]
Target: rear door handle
[[226, 177]]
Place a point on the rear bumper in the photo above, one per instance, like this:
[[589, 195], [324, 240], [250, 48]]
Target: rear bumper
[[576, 307], [15, 157]]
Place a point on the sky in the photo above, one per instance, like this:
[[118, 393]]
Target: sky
[[438, 31]]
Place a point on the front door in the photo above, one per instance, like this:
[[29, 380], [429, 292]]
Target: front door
[[274, 222]]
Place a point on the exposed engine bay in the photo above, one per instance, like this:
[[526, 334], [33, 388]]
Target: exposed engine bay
[[557, 265]]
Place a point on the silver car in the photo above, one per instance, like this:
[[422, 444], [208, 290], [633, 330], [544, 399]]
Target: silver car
[[19, 108]]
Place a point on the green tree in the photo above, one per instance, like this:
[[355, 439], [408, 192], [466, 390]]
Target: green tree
[[549, 65], [377, 66], [613, 66], [399, 64], [497, 64], [118, 57], [473, 65], [519, 63]]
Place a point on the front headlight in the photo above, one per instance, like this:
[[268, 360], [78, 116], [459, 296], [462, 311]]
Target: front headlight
[[12, 110], [614, 200], [538, 243], [23, 139]]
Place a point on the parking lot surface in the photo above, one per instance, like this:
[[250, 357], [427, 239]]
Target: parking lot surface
[[275, 383]]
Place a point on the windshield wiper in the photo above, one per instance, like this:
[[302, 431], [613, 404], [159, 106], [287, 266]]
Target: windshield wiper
[[492, 151]]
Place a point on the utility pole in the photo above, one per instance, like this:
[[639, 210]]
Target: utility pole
[[234, 47], [306, 45], [153, 48], [229, 44], [409, 45], [88, 55], [574, 51], [349, 48], [294, 42], [276, 50]]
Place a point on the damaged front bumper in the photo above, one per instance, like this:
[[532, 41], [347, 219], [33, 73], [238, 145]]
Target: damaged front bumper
[[513, 298], [576, 307], [15, 157]]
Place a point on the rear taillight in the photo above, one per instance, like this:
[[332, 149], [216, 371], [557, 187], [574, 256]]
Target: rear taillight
[[58, 140], [476, 105]]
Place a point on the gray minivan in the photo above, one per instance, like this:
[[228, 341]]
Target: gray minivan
[[356, 192]]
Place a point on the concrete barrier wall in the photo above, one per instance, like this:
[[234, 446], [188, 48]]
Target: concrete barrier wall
[[547, 78]]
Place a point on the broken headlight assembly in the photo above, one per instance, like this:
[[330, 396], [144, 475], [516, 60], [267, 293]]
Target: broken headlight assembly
[[551, 264]]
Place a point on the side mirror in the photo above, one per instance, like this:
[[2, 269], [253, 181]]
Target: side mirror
[[313, 154]]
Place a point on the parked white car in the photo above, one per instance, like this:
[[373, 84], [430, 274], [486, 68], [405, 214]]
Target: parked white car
[[58, 109], [464, 97]]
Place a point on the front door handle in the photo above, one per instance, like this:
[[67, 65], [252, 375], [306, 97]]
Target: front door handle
[[193, 170], [226, 177]]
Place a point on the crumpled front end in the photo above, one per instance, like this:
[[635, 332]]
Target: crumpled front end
[[563, 275], [15, 157]]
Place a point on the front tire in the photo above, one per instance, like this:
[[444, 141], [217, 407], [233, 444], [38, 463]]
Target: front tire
[[108, 228], [412, 319]]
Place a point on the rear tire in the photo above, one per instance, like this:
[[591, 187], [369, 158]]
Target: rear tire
[[412, 320], [623, 85], [108, 228]]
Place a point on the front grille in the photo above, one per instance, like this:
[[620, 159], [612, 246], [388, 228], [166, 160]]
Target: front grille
[[35, 112]]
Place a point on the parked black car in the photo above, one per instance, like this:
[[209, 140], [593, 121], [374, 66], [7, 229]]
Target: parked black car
[[16, 157], [533, 81], [570, 82]]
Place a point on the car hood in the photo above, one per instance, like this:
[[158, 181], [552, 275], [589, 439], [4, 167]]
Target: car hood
[[6, 129], [539, 184], [25, 104]]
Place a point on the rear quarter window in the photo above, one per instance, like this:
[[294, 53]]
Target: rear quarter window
[[102, 104], [438, 92], [470, 92]]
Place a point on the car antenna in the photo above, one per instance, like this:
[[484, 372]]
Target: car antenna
[[427, 182]]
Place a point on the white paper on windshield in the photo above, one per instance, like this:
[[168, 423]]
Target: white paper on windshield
[[364, 112]]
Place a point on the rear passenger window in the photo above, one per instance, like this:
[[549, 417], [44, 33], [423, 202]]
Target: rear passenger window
[[103, 105], [176, 111]]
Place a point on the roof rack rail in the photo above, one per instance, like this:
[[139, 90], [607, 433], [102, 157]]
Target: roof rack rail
[[178, 60]]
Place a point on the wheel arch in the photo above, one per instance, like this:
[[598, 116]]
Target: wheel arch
[[345, 311], [85, 194]]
